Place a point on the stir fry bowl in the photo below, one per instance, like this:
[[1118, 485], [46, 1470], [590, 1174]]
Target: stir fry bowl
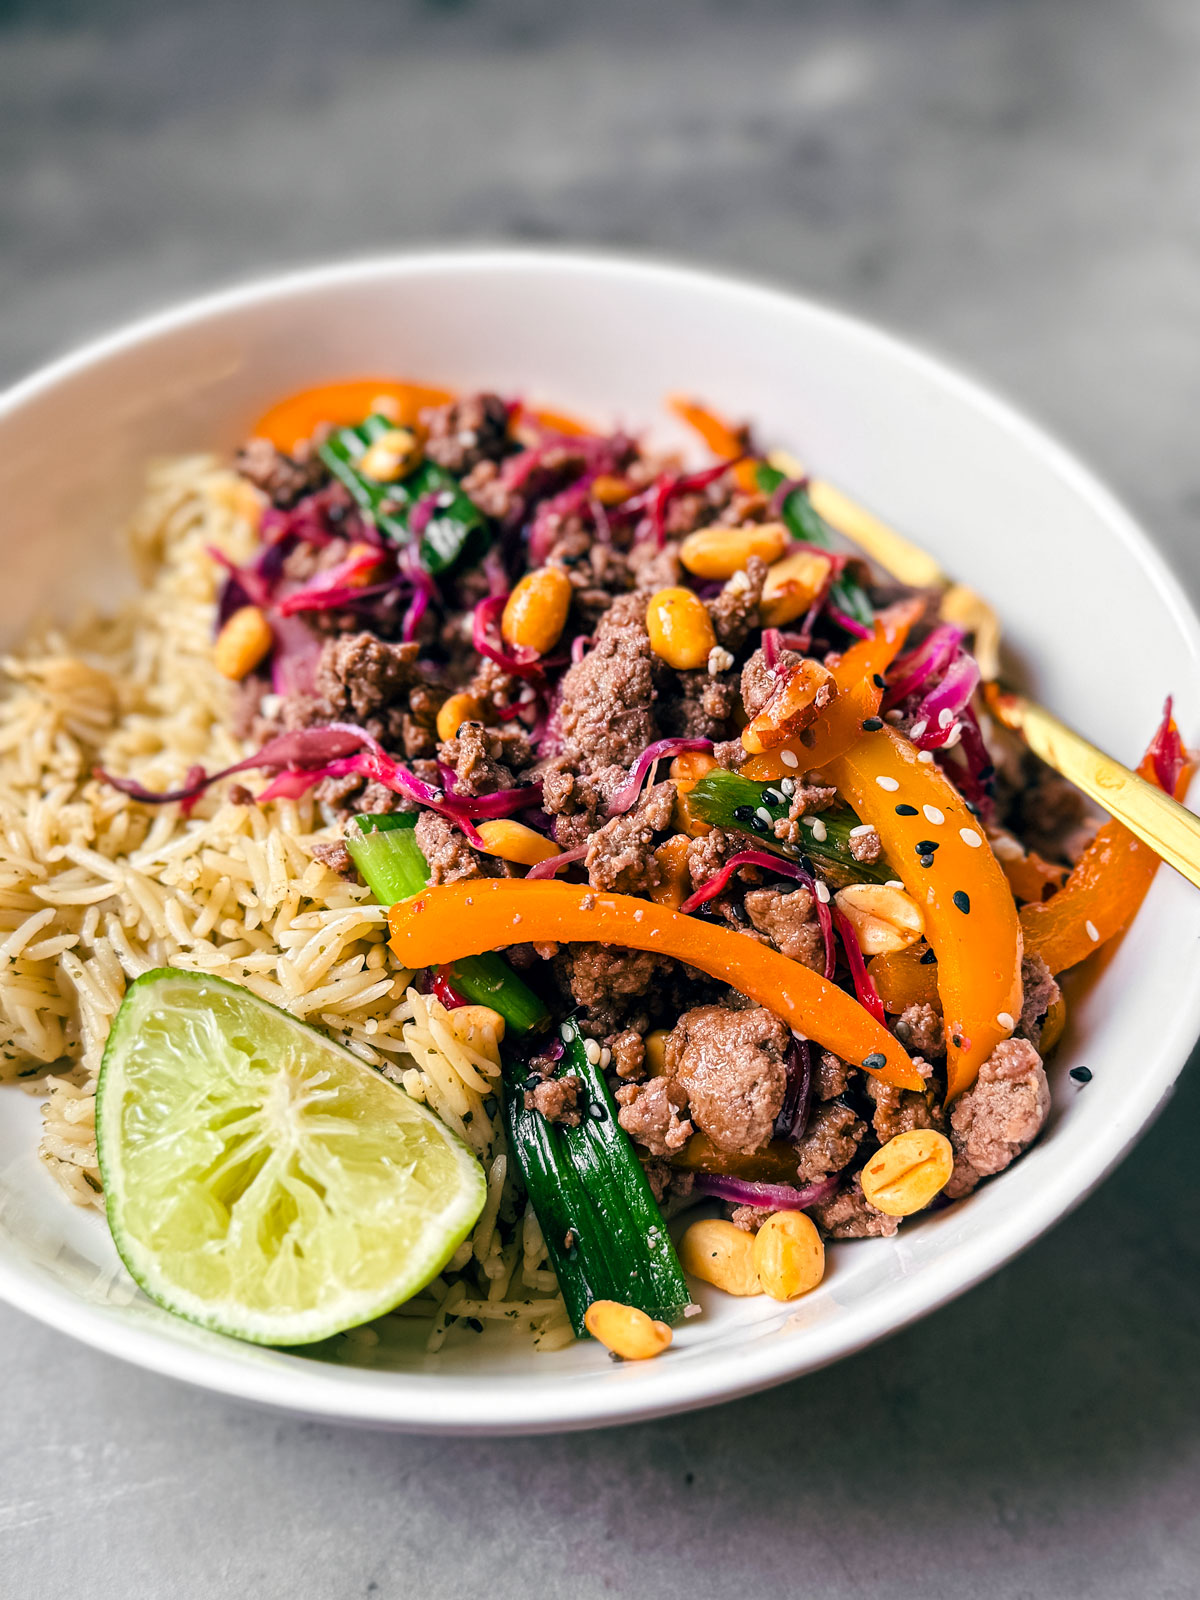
[[998, 503]]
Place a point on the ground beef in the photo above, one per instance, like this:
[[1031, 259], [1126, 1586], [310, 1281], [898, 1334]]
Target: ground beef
[[358, 675], [465, 432], [1040, 992], [921, 1031], [849, 1215], [283, 479], [620, 855], [628, 1052], [866, 847], [332, 853], [806, 799], [709, 853], [831, 1075], [999, 1116], [667, 1183], [474, 754], [606, 700], [750, 1218], [608, 983], [448, 854], [698, 705], [655, 1115], [734, 611], [759, 681], [577, 801], [557, 1099], [486, 486], [790, 922], [652, 568], [731, 1066], [899, 1110], [830, 1142], [1053, 817]]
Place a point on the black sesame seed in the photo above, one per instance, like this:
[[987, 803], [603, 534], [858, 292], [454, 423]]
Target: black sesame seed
[[875, 1061], [972, 808], [743, 813], [906, 811], [770, 798], [926, 847], [962, 900], [806, 864], [986, 774], [929, 957], [957, 1041], [879, 680], [1081, 1074], [597, 1112], [925, 861], [491, 1105], [872, 724], [474, 1324], [532, 1081]]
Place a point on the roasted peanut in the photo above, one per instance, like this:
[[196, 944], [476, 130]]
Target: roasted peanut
[[680, 629], [908, 1171], [454, 712], [719, 1253], [788, 1255], [610, 491], [513, 841], [1052, 1028], [884, 919], [797, 701], [720, 552], [536, 611], [792, 585], [393, 455], [242, 642], [656, 1052], [672, 888], [626, 1331]]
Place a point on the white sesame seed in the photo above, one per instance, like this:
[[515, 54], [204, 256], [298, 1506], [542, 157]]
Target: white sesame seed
[[592, 1051], [893, 883], [638, 914], [1092, 931], [945, 717], [953, 737], [738, 582], [822, 893], [1005, 1021], [527, 696], [917, 729], [788, 785], [932, 814], [516, 918], [763, 815], [789, 758], [887, 783], [567, 1033], [893, 716], [1006, 848], [820, 831], [925, 755], [606, 1058], [862, 830], [969, 836], [445, 500]]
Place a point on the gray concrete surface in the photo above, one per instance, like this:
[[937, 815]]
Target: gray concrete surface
[[1016, 183]]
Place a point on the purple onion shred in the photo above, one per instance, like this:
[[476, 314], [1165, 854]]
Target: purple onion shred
[[766, 1196]]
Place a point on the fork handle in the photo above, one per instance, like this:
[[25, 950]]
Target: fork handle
[[1157, 819]]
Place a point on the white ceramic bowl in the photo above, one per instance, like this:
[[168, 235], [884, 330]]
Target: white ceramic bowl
[[1080, 590]]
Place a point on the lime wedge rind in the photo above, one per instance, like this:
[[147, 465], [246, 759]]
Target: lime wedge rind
[[262, 1181]]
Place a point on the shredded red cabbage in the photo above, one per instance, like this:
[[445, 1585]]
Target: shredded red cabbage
[[913, 670], [782, 490], [301, 748], [626, 796], [337, 586], [442, 989], [253, 585], [517, 660], [868, 994], [669, 485], [793, 1113], [555, 864], [579, 646], [847, 623], [782, 868], [294, 657], [973, 773], [766, 1196], [939, 711], [425, 593], [1167, 751], [771, 642]]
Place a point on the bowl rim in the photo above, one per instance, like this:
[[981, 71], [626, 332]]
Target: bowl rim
[[441, 1404]]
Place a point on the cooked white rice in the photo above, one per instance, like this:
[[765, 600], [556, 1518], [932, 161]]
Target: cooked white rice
[[96, 889]]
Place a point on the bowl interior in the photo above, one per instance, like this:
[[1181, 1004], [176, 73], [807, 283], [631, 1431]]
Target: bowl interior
[[1000, 505]]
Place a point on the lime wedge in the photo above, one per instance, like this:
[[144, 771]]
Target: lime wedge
[[260, 1179]]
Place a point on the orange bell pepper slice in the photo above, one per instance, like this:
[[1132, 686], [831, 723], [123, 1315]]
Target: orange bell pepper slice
[[774, 1163], [858, 697], [459, 919], [1031, 876], [1103, 893], [726, 443], [901, 980], [970, 915], [344, 404]]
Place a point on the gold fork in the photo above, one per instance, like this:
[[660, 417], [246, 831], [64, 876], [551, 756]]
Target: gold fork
[[1171, 830]]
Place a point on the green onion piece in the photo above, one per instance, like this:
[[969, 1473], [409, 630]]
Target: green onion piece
[[384, 848], [804, 523], [587, 1186], [728, 800], [457, 524]]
